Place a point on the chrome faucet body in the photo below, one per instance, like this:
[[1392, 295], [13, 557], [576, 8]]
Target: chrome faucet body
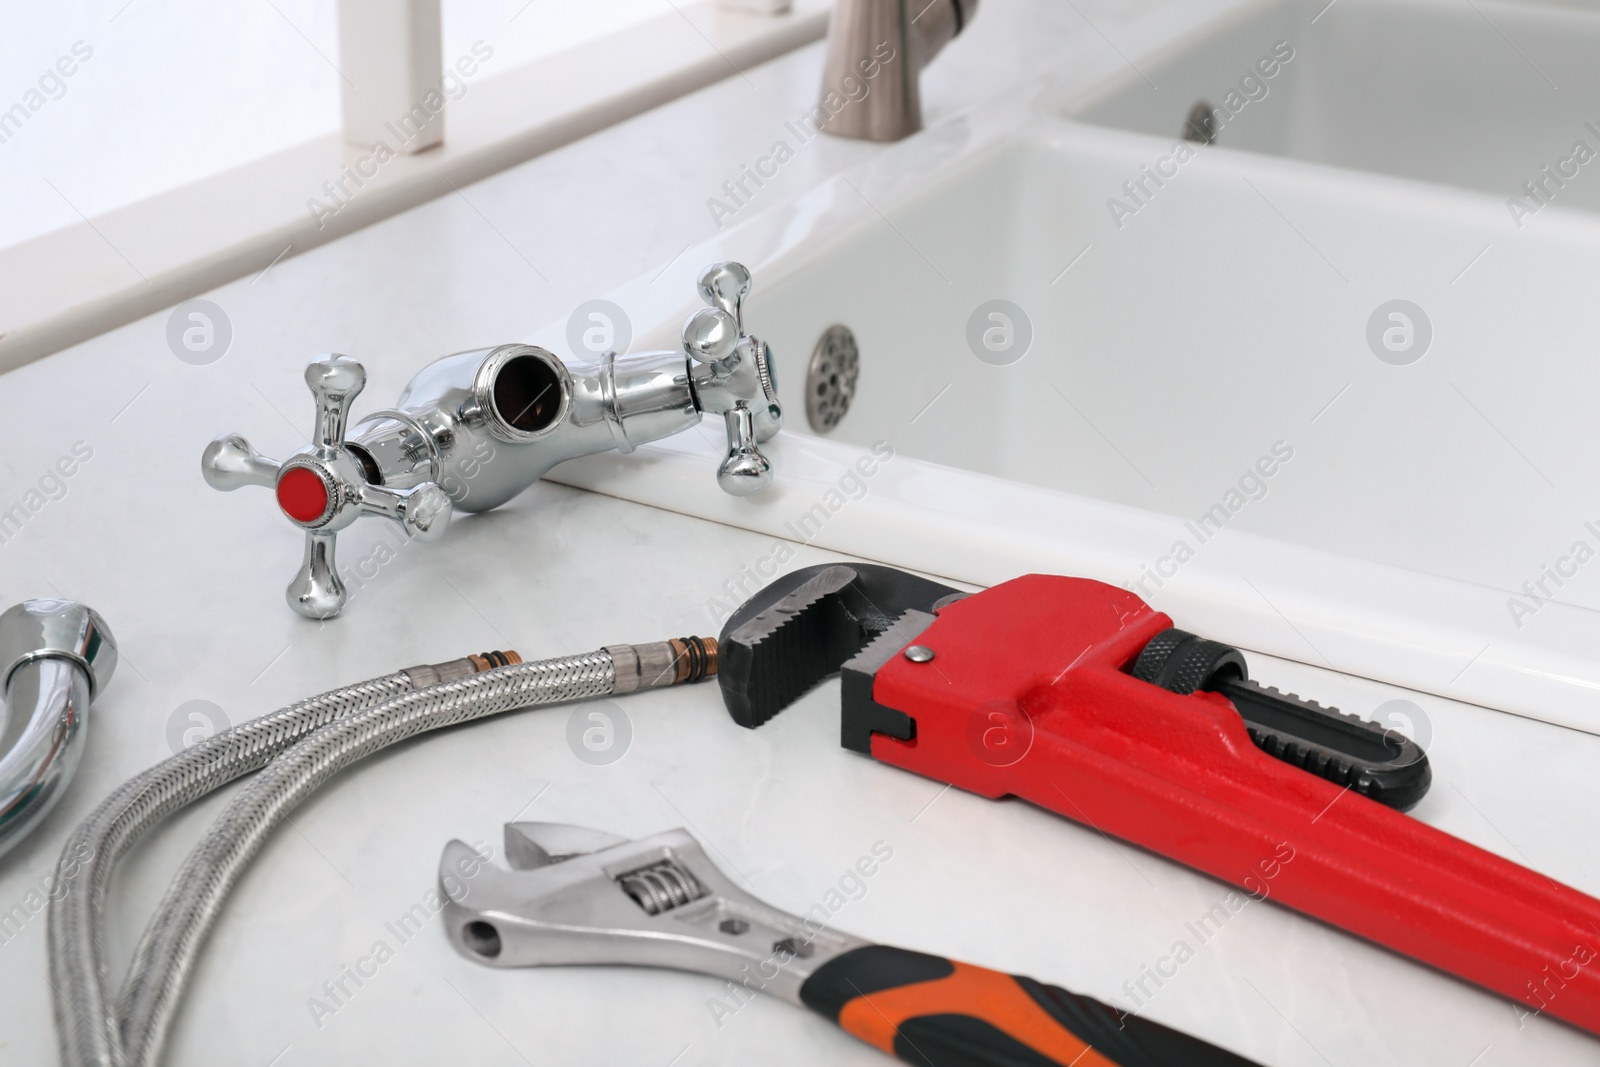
[[876, 52], [474, 429], [55, 657]]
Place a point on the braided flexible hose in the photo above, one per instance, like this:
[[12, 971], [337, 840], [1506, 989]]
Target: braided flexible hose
[[85, 1025], [172, 941]]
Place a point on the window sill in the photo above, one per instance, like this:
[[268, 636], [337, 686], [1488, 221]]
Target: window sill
[[77, 282]]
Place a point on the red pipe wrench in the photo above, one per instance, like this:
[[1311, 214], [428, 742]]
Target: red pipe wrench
[[1080, 698]]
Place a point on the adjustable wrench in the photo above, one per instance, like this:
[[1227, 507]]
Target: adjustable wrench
[[1078, 697], [579, 896]]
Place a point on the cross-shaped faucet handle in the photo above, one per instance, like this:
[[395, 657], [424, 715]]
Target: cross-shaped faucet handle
[[734, 377], [324, 487]]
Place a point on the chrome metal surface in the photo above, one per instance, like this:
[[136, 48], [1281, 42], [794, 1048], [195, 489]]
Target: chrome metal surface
[[646, 666], [45, 701], [725, 286], [316, 591], [535, 844], [831, 378], [661, 887], [745, 470], [426, 674], [657, 664], [579, 896], [474, 429], [55, 657], [732, 376], [509, 419], [229, 463], [876, 52], [324, 487], [57, 629]]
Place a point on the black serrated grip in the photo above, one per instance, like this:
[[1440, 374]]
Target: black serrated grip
[[1347, 750], [934, 1012]]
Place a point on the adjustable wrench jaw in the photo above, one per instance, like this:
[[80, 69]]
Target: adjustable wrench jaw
[[579, 896]]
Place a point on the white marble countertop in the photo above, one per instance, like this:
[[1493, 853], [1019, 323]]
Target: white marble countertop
[[191, 581]]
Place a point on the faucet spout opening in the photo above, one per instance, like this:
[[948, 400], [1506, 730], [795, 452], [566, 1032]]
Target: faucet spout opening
[[526, 393]]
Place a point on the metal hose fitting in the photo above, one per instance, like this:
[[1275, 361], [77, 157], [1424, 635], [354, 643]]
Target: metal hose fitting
[[434, 673], [661, 663]]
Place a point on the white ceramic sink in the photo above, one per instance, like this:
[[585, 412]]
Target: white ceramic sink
[[1481, 94], [1223, 326], [1336, 416]]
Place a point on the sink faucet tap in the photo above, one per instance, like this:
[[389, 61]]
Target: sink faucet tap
[[734, 377], [326, 486], [876, 52], [474, 429]]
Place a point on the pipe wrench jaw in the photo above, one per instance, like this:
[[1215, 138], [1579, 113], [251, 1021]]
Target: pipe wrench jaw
[[857, 620], [574, 895], [861, 716], [803, 627]]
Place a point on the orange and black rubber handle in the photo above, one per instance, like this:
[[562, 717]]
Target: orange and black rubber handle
[[934, 1012]]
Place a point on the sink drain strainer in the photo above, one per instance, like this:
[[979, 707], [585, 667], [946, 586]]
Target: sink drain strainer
[[831, 378]]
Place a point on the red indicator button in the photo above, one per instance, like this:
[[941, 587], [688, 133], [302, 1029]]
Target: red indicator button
[[302, 495]]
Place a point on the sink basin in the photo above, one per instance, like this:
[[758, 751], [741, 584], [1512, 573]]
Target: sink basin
[[1334, 416], [1214, 350], [1482, 94]]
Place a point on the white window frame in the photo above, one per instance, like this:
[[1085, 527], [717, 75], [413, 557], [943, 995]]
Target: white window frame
[[80, 281]]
